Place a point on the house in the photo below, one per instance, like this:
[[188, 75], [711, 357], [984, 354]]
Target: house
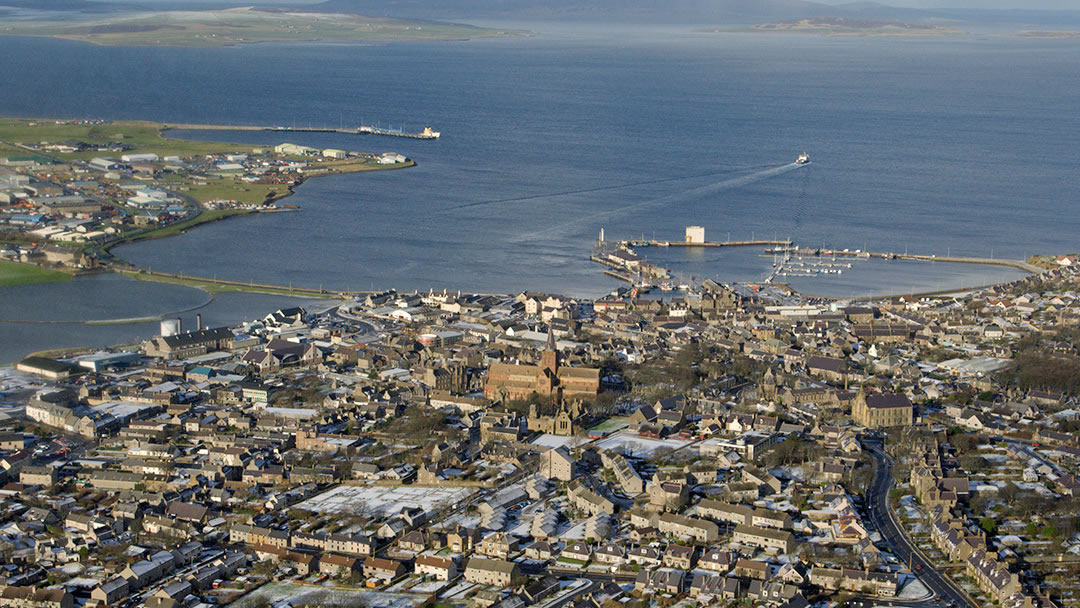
[[679, 556], [541, 550], [587, 500], [644, 555], [185, 511], [462, 539], [494, 572], [558, 464], [386, 569], [110, 592], [32, 597], [339, 565], [764, 538], [578, 551], [414, 541], [665, 496], [752, 569], [610, 553], [680, 526], [499, 544], [664, 580], [442, 569], [717, 560]]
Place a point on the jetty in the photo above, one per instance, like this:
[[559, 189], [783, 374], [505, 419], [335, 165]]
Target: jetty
[[887, 255], [427, 133], [754, 243]]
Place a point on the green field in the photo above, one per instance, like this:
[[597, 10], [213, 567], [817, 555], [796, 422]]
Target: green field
[[14, 273], [232, 189], [142, 137], [213, 28]]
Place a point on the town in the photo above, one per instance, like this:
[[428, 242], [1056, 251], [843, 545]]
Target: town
[[716, 447], [64, 203]]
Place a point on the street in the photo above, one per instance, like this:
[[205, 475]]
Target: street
[[895, 537]]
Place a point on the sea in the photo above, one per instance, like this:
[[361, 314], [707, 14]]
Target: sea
[[947, 146]]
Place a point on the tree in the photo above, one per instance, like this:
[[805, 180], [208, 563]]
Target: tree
[[988, 524], [972, 463]]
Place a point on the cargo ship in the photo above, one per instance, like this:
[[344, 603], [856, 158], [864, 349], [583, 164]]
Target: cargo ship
[[427, 133], [803, 159]]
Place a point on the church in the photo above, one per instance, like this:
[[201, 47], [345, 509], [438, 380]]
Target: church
[[566, 420], [550, 379]]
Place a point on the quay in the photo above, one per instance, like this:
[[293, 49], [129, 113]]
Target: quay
[[427, 133], [885, 255], [757, 243]]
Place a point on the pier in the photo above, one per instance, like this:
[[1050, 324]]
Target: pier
[[805, 252], [427, 133], [757, 243]]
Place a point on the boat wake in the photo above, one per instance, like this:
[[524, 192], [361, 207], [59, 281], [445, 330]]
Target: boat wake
[[586, 223], [533, 197]]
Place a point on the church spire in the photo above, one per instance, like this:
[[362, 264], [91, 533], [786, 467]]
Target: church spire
[[550, 340]]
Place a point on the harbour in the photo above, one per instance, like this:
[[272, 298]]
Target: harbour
[[628, 261]]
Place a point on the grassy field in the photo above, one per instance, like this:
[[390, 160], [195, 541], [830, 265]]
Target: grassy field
[[142, 137], [213, 28], [14, 273], [232, 189]]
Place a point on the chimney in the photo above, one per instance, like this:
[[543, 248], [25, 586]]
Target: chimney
[[179, 325], [198, 321]]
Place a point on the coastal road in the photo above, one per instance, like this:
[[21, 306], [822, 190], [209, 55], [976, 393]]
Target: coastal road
[[370, 332], [895, 537]]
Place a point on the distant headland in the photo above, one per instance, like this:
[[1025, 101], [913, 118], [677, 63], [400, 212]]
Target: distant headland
[[842, 26], [217, 28]]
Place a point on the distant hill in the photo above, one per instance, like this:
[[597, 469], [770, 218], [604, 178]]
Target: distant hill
[[704, 12], [672, 11], [52, 5]]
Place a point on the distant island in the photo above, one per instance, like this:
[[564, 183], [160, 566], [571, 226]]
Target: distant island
[[843, 26], [1047, 34], [215, 28]]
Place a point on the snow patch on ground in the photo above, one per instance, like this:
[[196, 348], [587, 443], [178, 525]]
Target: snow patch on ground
[[913, 589], [382, 501], [635, 445], [558, 441]]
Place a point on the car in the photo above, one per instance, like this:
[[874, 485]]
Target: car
[[918, 567]]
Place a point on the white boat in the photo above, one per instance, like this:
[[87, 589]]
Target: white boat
[[803, 159]]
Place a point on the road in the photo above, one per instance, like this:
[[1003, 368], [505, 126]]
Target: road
[[895, 537]]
